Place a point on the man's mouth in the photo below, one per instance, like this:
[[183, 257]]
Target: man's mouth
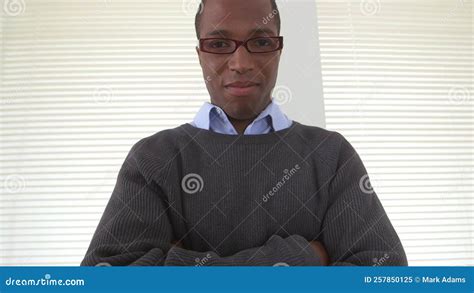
[[241, 88]]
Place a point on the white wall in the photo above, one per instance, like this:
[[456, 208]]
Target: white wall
[[299, 81]]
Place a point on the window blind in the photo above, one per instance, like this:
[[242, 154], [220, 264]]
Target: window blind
[[397, 82], [82, 81]]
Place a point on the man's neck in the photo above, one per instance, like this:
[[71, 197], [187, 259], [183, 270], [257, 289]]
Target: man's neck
[[240, 125]]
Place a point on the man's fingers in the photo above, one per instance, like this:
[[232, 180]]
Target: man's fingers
[[321, 251]]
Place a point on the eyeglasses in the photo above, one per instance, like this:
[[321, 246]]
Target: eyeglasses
[[229, 46]]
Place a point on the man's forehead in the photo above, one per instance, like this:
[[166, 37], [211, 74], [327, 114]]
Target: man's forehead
[[237, 18], [232, 32]]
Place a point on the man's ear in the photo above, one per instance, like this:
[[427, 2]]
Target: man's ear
[[199, 54]]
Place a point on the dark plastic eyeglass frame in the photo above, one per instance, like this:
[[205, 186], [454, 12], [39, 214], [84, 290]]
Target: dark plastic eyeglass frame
[[240, 43]]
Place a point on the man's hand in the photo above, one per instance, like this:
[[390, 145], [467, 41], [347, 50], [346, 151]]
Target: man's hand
[[321, 251], [177, 243]]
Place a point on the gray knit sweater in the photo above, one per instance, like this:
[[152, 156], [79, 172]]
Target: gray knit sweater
[[243, 200]]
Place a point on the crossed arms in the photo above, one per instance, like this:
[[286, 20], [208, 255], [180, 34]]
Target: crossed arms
[[355, 229]]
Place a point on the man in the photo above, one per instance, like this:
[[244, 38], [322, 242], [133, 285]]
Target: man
[[242, 184]]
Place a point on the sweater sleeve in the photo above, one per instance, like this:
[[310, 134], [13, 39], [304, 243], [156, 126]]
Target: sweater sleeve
[[293, 250], [135, 230], [356, 228]]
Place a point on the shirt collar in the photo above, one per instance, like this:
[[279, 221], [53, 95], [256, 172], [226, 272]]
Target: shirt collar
[[208, 111]]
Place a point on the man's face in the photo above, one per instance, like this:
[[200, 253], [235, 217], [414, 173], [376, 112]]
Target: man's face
[[239, 20]]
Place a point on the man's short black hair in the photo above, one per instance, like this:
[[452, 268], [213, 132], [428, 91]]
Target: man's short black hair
[[275, 11]]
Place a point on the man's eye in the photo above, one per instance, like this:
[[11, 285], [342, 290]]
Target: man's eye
[[263, 42], [220, 44]]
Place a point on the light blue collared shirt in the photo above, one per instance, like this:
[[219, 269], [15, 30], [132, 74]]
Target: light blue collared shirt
[[212, 117]]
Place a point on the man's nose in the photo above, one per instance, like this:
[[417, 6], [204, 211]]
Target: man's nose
[[241, 61]]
